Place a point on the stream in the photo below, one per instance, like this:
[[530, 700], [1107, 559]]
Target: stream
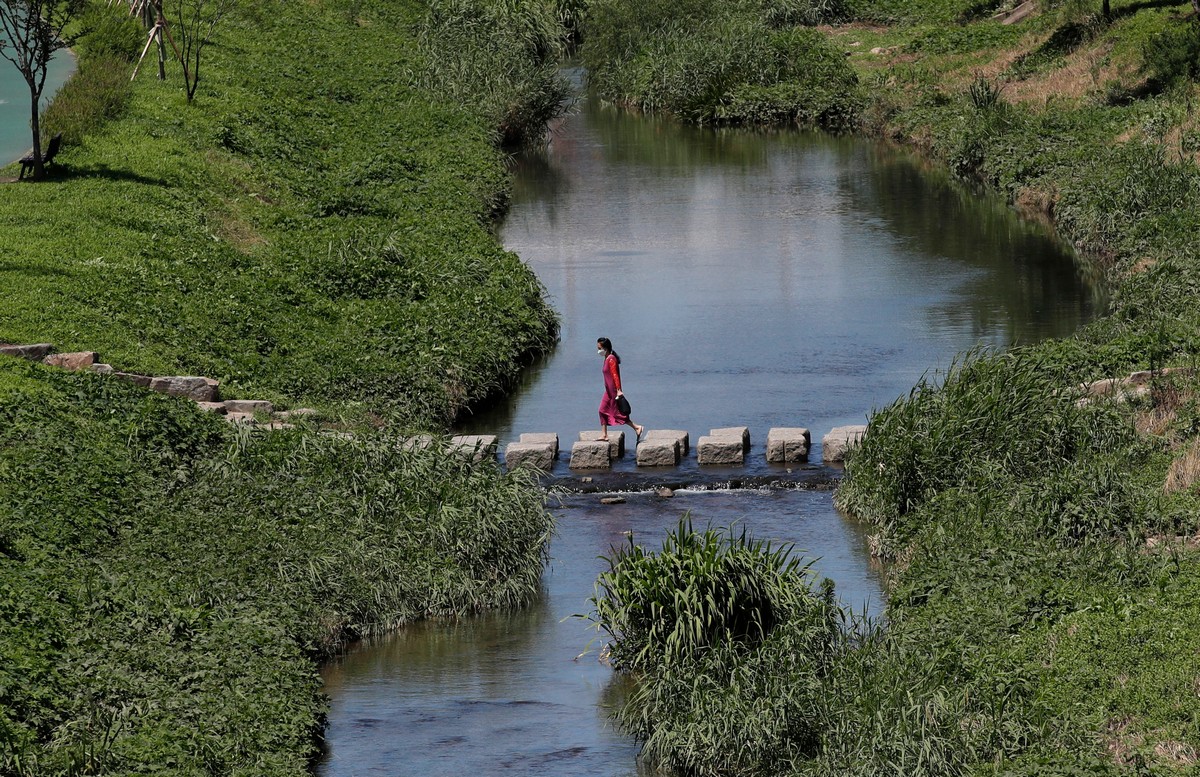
[[745, 278]]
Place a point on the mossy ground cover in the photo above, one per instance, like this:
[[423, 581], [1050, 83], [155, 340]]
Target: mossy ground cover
[[313, 229], [1043, 554]]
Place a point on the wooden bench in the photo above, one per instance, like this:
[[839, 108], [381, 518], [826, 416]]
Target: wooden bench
[[29, 162]]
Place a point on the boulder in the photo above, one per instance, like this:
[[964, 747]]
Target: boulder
[[659, 452], [741, 432], [79, 360], [543, 438], [187, 387], [720, 449], [479, 446], [665, 493], [35, 352], [616, 441], [788, 444], [840, 439], [678, 435], [249, 406], [591, 454], [535, 455]]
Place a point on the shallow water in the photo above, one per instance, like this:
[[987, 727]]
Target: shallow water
[[780, 279]]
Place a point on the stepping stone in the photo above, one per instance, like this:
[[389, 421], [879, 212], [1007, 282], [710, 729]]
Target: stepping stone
[[249, 406], [481, 446], [616, 441], [79, 360], [591, 454], [187, 387], [742, 432], [720, 449], [788, 443], [35, 352], [670, 434], [658, 452], [537, 455], [840, 439], [544, 438]]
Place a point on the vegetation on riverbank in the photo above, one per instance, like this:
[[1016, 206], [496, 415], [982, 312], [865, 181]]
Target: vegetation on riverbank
[[1043, 549], [315, 228]]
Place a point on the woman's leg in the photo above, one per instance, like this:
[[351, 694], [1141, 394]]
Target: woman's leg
[[603, 431], [637, 429]]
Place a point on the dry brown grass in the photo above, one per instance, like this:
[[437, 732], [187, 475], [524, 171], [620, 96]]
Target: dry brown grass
[[1083, 72], [1175, 754], [1037, 202], [1184, 471]]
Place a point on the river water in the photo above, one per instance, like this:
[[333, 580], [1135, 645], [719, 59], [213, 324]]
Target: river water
[[15, 138], [783, 279]]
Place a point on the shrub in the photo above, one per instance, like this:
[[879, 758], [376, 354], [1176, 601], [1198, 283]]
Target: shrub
[[98, 92], [1173, 55]]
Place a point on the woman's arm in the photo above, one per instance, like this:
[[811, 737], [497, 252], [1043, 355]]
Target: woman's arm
[[614, 370]]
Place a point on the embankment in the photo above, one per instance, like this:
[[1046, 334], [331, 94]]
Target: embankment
[[315, 228]]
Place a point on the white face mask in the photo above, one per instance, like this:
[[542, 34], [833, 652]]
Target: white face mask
[[599, 351]]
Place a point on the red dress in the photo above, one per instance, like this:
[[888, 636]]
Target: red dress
[[609, 414]]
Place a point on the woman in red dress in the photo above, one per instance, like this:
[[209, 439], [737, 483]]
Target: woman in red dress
[[610, 414]]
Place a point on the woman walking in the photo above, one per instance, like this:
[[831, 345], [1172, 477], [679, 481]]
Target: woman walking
[[610, 412]]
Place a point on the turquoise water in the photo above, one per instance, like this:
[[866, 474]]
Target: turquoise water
[[15, 138]]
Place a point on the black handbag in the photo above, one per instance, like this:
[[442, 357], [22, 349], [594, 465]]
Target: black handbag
[[623, 405]]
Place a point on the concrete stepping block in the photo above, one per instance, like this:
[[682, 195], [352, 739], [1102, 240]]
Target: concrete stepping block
[[480, 446], [616, 441], [839, 440], [186, 387], [678, 435], [721, 449], [79, 360], [34, 352], [591, 454], [788, 444], [741, 432], [658, 452], [542, 438], [249, 406], [536, 455]]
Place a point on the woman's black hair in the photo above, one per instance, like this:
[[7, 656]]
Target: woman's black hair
[[606, 344]]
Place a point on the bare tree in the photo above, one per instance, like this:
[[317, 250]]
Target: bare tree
[[195, 21], [31, 31]]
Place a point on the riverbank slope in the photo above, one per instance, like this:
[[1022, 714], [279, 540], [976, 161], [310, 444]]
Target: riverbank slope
[[314, 229], [1042, 535]]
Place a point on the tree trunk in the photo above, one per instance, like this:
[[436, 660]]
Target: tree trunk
[[1106, 9], [39, 169]]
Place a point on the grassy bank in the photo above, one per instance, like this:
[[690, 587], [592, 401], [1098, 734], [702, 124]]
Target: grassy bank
[[314, 229], [1043, 551]]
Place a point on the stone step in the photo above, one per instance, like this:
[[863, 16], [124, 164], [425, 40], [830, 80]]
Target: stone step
[[592, 454], [616, 441], [840, 439], [543, 438], [678, 435], [788, 444], [535, 455]]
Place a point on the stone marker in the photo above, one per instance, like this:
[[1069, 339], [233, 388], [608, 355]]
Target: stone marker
[[249, 406], [742, 432], [544, 438], [481, 446], [80, 360], [187, 387], [591, 454], [659, 452], [538, 455], [35, 352], [212, 407], [835, 444], [616, 441], [670, 434], [720, 449], [788, 443]]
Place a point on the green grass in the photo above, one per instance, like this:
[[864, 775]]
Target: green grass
[[315, 229]]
